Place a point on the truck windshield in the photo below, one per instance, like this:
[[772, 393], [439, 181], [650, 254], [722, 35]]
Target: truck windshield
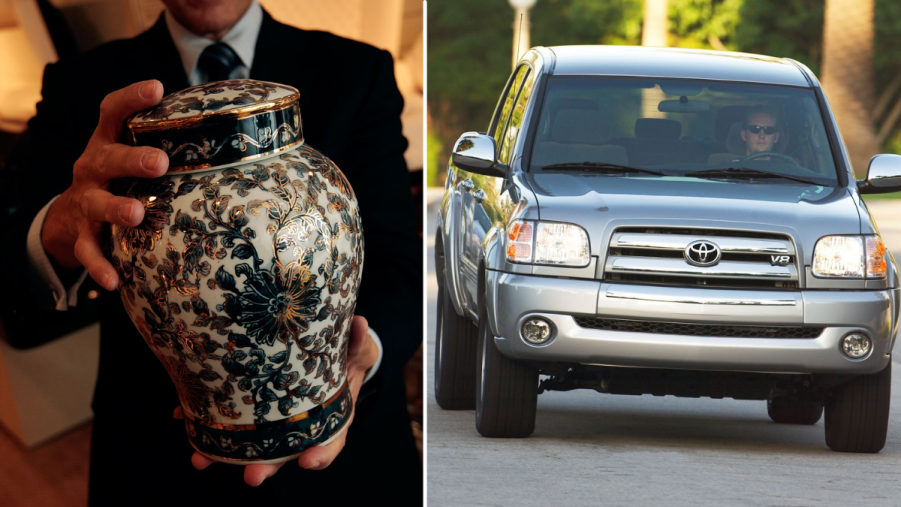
[[682, 128]]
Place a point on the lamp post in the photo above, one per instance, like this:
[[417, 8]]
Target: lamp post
[[654, 32], [521, 34]]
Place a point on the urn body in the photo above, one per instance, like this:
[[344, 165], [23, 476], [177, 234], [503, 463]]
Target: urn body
[[243, 276]]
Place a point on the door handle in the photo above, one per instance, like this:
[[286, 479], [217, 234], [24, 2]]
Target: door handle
[[479, 196], [467, 184]]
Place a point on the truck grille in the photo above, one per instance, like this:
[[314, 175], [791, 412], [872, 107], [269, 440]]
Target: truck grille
[[676, 328], [656, 256]]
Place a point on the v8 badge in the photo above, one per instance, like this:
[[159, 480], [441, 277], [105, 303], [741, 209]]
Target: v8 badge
[[780, 260]]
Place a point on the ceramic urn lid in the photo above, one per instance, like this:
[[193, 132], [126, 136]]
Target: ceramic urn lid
[[221, 123]]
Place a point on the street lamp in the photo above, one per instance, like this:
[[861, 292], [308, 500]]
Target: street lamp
[[521, 33]]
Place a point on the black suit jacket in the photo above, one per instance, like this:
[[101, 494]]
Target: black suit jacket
[[350, 109]]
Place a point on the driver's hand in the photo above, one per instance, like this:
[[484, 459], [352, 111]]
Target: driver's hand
[[362, 354], [72, 228]]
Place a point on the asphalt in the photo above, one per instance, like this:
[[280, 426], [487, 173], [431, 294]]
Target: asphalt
[[596, 449]]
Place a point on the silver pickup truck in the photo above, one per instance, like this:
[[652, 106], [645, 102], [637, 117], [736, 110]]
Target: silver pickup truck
[[666, 222]]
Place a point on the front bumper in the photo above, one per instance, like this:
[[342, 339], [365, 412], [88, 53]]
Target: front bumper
[[514, 298]]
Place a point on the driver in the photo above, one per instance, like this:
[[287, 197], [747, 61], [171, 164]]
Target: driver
[[760, 132]]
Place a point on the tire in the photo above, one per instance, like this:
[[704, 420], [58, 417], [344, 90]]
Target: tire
[[507, 390], [857, 413], [455, 355], [792, 410]]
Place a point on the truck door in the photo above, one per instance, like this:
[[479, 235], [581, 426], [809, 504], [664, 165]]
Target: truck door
[[481, 211]]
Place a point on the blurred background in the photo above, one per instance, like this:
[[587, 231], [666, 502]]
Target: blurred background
[[34, 33], [853, 46], [45, 392]]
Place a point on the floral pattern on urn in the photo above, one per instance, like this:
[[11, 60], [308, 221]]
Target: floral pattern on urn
[[244, 274]]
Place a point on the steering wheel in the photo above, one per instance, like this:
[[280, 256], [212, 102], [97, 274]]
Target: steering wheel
[[778, 155]]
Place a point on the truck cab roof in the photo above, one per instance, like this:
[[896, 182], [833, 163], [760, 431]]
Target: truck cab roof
[[678, 63]]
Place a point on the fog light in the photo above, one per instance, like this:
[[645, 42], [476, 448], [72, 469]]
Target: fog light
[[856, 345], [536, 331]]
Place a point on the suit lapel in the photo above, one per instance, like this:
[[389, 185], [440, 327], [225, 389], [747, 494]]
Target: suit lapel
[[280, 55], [283, 55], [160, 58]]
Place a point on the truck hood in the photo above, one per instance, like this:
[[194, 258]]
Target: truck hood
[[600, 203]]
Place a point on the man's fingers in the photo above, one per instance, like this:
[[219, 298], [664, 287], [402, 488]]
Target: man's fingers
[[178, 413], [102, 206], [200, 461], [321, 456], [254, 475], [120, 104], [115, 160], [90, 255], [359, 331], [326, 454], [362, 353]]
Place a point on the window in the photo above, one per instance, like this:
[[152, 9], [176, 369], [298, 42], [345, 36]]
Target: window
[[677, 127], [504, 114], [516, 117]]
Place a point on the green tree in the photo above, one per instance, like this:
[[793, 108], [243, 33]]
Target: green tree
[[704, 24], [468, 62], [469, 54], [587, 22], [783, 28]]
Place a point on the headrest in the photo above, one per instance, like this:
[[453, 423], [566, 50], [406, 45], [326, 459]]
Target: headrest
[[725, 117], [733, 142], [579, 126], [657, 128]]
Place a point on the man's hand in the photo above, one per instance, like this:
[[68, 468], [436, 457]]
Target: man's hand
[[72, 228], [362, 354]]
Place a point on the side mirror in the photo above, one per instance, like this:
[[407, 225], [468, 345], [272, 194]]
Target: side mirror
[[883, 175], [474, 152]]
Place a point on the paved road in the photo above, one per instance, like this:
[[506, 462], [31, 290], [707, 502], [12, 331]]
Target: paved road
[[596, 449]]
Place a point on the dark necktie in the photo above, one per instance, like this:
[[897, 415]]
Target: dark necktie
[[218, 61]]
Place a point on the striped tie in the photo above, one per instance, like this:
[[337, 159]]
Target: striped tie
[[218, 61]]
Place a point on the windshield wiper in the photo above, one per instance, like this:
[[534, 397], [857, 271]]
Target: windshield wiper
[[602, 167], [744, 172]]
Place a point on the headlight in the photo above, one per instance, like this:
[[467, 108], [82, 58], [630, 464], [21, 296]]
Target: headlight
[[561, 244], [849, 257], [553, 243]]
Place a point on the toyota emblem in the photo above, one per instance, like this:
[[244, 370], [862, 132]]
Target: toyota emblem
[[702, 253]]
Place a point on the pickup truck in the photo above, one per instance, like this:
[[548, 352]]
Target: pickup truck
[[666, 222]]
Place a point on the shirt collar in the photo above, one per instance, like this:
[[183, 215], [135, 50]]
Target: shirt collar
[[242, 38]]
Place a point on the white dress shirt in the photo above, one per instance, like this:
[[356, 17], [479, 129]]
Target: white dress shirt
[[242, 38]]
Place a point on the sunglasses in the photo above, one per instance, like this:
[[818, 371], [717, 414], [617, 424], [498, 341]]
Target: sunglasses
[[755, 129]]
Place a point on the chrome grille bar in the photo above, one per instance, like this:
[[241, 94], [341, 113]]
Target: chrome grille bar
[[678, 267], [679, 242], [660, 295]]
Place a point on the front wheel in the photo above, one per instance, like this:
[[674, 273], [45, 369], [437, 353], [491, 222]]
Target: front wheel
[[455, 355], [506, 390], [857, 413]]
